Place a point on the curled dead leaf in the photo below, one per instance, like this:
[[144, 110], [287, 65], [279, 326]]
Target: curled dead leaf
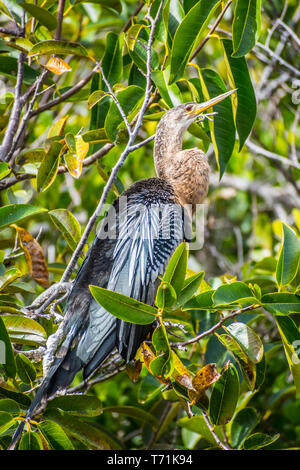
[[34, 256], [57, 66]]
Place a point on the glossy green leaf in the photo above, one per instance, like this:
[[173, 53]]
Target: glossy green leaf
[[4, 170], [290, 337], [245, 28], [282, 303], [203, 301], [7, 360], [112, 62], [77, 405], [133, 412], [190, 287], [170, 93], [95, 135], [197, 424], [12, 213], [26, 371], [123, 307], [30, 441], [224, 396], [244, 101], [110, 4], [31, 156], [41, 14], [139, 56], [289, 256], [9, 406], [66, 222], [176, 270], [259, 440], [165, 296], [49, 166], [247, 366], [52, 46], [22, 399], [6, 421], [242, 425], [222, 126], [9, 67], [55, 436], [187, 35], [162, 365], [24, 330], [129, 100], [247, 339], [233, 293], [149, 388], [84, 432]]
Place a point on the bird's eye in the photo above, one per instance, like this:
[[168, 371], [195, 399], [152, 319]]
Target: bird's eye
[[188, 108]]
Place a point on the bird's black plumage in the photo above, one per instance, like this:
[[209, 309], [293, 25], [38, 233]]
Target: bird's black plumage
[[133, 247]]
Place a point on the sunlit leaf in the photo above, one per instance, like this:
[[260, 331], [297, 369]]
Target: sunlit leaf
[[57, 66], [289, 256], [245, 26], [58, 47], [55, 436], [66, 222], [203, 379], [25, 369], [12, 213], [7, 359], [49, 166]]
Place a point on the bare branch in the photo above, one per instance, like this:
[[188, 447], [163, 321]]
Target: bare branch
[[273, 156], [60, 15], [15, 113]]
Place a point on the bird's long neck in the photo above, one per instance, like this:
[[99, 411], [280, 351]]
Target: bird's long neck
[[168, 141]]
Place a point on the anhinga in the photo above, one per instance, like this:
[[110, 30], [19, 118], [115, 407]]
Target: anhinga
[[131, 261]]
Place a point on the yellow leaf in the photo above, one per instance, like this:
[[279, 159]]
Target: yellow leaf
[[58, 127], [74, 160], [181, 374], [57, 66], [202, 381], [34, 256], [148, 356]]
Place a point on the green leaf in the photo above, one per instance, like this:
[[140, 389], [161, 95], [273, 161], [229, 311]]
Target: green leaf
[[247, 339], [243, 423], [165, 296], [149, 388], [6, 421], [248, 367], [123, 307], [259, 440], [188, 34], [233, 293], [289, 256], [170, 93], [177, 266], [7, 360], [49, 166], [134, 412], [129, 100], [4, 170], [25, 369], [203, 301], [197, 424], [224, 396], [86, 433], [68, 225], [31, 156], [30, 441], [24, 330], [55, 436], [222, 127], [10, 406], [190, 286], [95, 135], [9, 67], [282, 303], [139, 56], [42, 15], [245, 27], [13, 213], [244, 101], [52, 46], [77, 405], [290, 336], [162, 365], [112, 62], [20, 398]]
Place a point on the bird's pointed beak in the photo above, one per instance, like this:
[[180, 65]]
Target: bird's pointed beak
[[199, 108]]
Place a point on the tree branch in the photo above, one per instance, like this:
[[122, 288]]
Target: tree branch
[[60, 16]]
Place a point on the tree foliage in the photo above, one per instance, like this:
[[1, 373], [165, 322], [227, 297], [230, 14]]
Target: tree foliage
[[82, 88]]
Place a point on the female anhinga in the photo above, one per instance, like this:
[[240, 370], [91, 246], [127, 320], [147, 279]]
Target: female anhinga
[[145, 237]]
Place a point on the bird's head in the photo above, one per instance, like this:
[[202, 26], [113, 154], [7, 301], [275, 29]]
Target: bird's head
[[182, 116]]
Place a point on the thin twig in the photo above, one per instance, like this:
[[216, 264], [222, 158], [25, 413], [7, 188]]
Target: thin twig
[[214, 327], [136, 11], [211, 428], [273, 156]]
